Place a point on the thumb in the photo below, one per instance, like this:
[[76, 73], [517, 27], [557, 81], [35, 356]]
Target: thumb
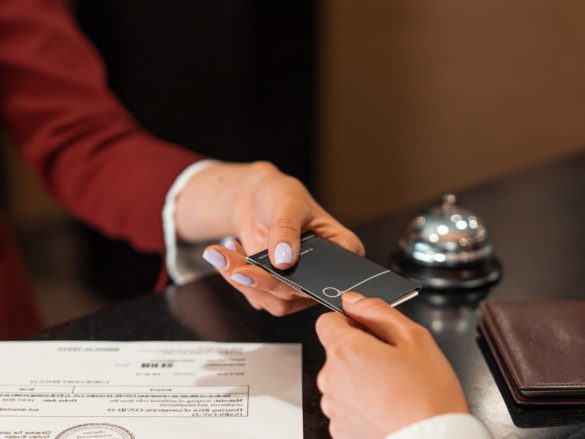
[[285, 233], [381, 319]]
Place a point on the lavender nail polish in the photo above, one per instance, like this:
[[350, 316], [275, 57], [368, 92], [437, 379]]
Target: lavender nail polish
[[283, 253], [215, 258], [242, 279], [230, 245]]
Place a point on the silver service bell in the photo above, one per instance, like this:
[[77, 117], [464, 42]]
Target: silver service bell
[[447, 247]]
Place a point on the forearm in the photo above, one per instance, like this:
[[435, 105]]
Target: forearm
[[69, 127]]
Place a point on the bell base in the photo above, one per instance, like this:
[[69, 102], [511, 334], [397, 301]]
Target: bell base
[[474, 276]]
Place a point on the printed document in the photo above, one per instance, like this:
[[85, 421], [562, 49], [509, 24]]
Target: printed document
[[150, 390]]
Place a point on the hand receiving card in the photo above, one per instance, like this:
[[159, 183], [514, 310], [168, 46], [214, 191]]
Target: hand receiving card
[[325, 271]]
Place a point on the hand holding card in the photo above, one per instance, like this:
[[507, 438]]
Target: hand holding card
[[325, 271]]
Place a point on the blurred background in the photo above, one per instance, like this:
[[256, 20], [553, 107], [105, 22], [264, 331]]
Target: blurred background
[[375, 105]]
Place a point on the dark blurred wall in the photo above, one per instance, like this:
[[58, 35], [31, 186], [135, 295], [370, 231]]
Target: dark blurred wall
[[230, 79]]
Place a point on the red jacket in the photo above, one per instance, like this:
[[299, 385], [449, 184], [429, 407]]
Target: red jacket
[[88, 151]]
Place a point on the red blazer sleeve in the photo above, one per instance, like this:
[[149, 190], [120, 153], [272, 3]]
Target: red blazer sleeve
[[65, 122]]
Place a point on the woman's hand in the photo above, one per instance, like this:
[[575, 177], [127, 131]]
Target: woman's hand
[[263, 208], [377, 382]]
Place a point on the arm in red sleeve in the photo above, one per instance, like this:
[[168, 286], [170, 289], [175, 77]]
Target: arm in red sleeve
[[58, 110]]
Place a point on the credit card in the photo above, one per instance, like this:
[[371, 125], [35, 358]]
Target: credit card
[[325, 271]]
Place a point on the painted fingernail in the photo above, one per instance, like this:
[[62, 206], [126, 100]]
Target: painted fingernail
[[231, 245], [243, 279], [215, 258], [283, 253], [352, 297]]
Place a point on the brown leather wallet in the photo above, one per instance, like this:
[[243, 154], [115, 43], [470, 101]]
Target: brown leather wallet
[[539, 347]]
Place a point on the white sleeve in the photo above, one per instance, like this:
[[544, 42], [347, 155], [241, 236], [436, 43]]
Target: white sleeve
[[182, 259], [449, 426]]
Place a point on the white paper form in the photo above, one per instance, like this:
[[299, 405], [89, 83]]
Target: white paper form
[[150, 390]]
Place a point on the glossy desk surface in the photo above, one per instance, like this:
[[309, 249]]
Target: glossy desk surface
[[535, 219]]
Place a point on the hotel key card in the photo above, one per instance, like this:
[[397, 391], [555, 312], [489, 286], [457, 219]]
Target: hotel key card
[[325, 271]]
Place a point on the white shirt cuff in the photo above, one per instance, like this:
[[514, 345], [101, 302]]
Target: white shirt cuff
[[449, 426], [180, 270]]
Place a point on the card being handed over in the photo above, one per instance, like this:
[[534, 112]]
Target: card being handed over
[[325, 271]]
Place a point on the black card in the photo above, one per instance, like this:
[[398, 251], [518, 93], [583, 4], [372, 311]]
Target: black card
[[325, 271]]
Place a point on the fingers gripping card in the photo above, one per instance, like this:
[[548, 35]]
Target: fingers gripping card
[[325, 271]]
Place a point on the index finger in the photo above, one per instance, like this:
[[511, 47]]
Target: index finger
[[332, 325]]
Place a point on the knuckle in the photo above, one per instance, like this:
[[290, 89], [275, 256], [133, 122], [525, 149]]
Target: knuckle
[[264, 167], [338, 350], [255, 305], [251, 300], [294, 182], [288, 296], [373, 304], [326, 406], [270, 285], [322, 380], [322, 323], [287, 226], [379, 303], [334, 430], [378, 308], [417, 332], [326, 325], [278, 308]]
